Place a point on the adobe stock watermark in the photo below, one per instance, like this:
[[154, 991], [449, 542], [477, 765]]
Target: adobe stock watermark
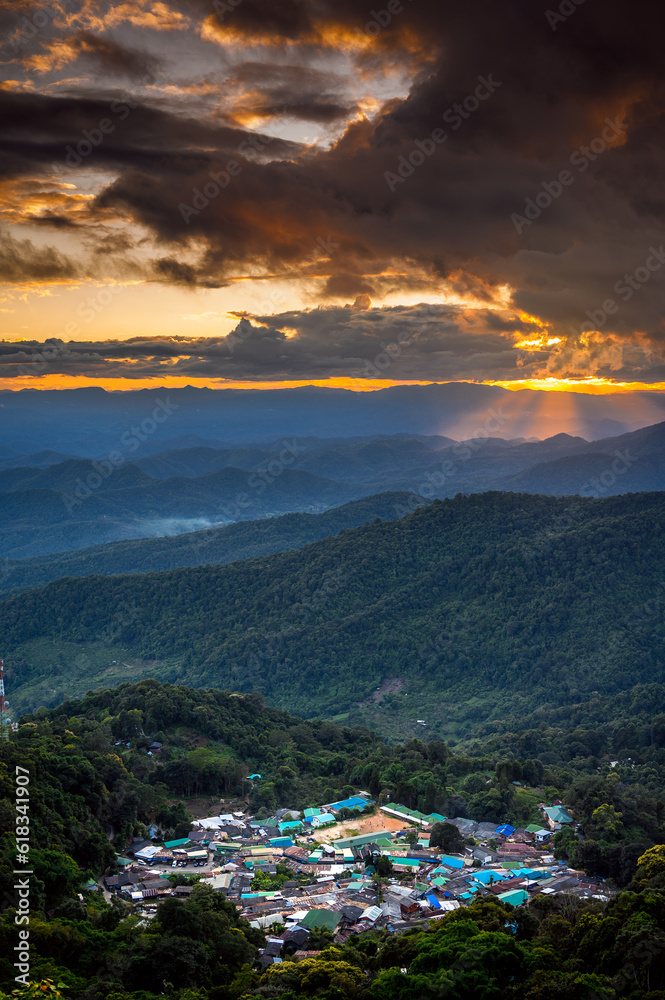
[[598, 486], [453, 116], [95, 304], [581, 159], [388, 354], [22, 885], [220, 179], [382, 18], [258, 481], [201, 197], [92, 138], [130, 441], [625, 289], [565, 10], [595, 488], [224, 7], [327, 244], [463, 451]]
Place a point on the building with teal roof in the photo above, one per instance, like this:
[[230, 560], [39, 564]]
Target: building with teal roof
[[557, 814], [515, 897], [294, 825], [489, 877]]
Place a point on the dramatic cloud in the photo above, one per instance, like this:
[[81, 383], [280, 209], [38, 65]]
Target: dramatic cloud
[[503, 155], [22, 261], [411, 343]]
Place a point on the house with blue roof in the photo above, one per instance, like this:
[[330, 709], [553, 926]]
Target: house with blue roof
[[354, 802], [451, 862], [489, 877], [323, 819]]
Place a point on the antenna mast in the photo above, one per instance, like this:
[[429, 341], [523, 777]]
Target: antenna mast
[[4, 732]]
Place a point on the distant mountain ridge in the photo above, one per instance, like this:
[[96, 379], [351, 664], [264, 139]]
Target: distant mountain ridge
[[215, 545], [473, 610], [87, 505], [90, 421], [86, 502]]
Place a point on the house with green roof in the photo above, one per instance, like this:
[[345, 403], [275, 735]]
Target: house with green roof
[[403, 812], [320, 918], [557, 816], [362, 839]]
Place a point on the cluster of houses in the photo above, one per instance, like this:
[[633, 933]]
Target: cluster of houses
[[333, 885]]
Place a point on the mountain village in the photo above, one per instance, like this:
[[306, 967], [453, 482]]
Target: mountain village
[[384, 878]]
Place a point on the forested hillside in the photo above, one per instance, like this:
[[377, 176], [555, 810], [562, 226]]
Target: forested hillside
[[242, 540], [466, 613], [81, 505], [84, 788]]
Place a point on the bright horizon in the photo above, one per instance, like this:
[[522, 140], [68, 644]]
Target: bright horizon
[[255, 201], [50, 382]]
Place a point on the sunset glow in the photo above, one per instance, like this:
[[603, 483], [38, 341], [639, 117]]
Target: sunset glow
[[265, 205]]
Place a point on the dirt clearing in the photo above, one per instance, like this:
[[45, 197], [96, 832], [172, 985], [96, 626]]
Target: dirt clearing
[[355, 828]]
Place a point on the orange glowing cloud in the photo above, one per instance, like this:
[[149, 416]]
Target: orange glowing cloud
[[96, 15], [59, 52], [31, 198], [334, 37]]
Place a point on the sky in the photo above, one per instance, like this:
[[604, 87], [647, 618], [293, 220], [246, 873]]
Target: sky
[[255, 193]]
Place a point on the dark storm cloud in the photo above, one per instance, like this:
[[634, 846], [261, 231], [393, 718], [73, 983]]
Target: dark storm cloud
[[552, 94], [22, 261], [294, 91], [38, 129], [175, 272], [402, 342], [113, 58], [546, 95]]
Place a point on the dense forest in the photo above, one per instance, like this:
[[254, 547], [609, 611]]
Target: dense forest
[[83, 785], [214, 545], [554, 602]]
